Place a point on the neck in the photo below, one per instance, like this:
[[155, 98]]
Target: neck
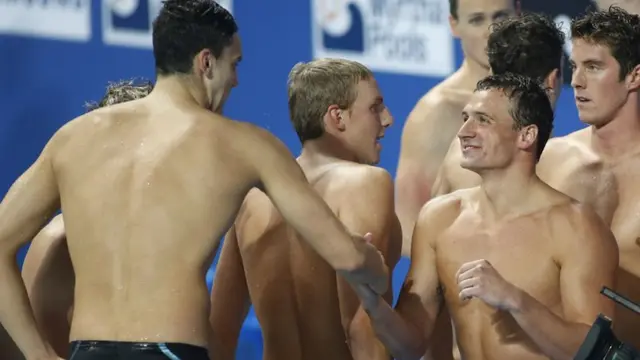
[[620, 135], [180, 89], [323, 151], [471, 72], [506, 190]]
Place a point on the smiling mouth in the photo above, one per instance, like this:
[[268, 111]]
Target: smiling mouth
[[582, 99]]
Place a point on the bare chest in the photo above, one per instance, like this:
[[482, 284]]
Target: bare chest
[[521, 251], [625, 223]]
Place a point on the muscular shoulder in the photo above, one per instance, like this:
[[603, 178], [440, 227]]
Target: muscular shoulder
[[441, 211], [579, 228], [566, 155], [437, 101], [363, 178], [574, 143]]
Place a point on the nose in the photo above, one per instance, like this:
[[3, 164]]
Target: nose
[[577, 78], [467, 130], [386, 117], [234, 81]]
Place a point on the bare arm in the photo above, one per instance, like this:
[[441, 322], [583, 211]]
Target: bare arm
[[368, 207], [50, 281], [29, 204], [230, 300], [300, 205], [441, 186], [588, 262], [425, 141], [406, 331]]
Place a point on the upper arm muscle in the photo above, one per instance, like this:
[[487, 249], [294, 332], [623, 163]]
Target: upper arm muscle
[[420, 299], [589, 262], [30, 203]]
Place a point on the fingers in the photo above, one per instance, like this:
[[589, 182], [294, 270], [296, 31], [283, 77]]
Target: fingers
[[468, 288], [468, 283], [471, 265], [468, 293], [368, 237]]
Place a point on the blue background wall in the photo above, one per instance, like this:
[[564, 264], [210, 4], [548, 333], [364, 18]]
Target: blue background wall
[[57, 55]]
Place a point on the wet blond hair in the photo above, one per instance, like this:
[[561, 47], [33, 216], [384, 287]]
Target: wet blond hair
[[318, 84], [121, 92]]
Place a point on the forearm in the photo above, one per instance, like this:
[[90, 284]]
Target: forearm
[[557, 338], [321, 229], [362, 339], [16, 314], [400, 337]]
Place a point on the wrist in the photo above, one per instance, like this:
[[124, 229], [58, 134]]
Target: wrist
[[516, 301], [373, 307]]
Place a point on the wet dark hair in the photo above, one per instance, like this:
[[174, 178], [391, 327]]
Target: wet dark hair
[[614, 28], [184, 28], [530, 45], [530, 104]]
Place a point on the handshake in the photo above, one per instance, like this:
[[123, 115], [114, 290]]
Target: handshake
[[372, 277]]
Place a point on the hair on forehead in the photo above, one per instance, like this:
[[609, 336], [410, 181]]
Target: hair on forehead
[[528, 103]]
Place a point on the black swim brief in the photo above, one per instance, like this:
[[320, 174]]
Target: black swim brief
[[118, 350]]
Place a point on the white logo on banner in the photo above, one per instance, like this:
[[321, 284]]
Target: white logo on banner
[[128, 22], [60, 19], [398, 36]]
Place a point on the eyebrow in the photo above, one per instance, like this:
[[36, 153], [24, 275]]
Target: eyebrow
[[477, 113], [493, 15], [588, 62]]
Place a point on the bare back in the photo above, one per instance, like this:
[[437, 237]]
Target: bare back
[[295, 293], [147, 190], [528, 251]]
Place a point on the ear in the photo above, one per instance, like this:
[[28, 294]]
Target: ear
[[527, 137], [633, 79], [334, 118], [453, 24], [205, 62]]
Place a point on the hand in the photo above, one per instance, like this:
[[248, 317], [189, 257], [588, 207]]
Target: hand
[[368, 298], [481, 280], [378, 273]]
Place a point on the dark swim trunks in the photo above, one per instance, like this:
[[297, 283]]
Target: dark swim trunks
[[117, 350]]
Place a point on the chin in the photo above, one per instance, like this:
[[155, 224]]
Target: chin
[[470, 165]]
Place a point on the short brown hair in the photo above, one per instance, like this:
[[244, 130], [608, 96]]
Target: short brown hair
[[614, 28], [318, 84], [121, 92]]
